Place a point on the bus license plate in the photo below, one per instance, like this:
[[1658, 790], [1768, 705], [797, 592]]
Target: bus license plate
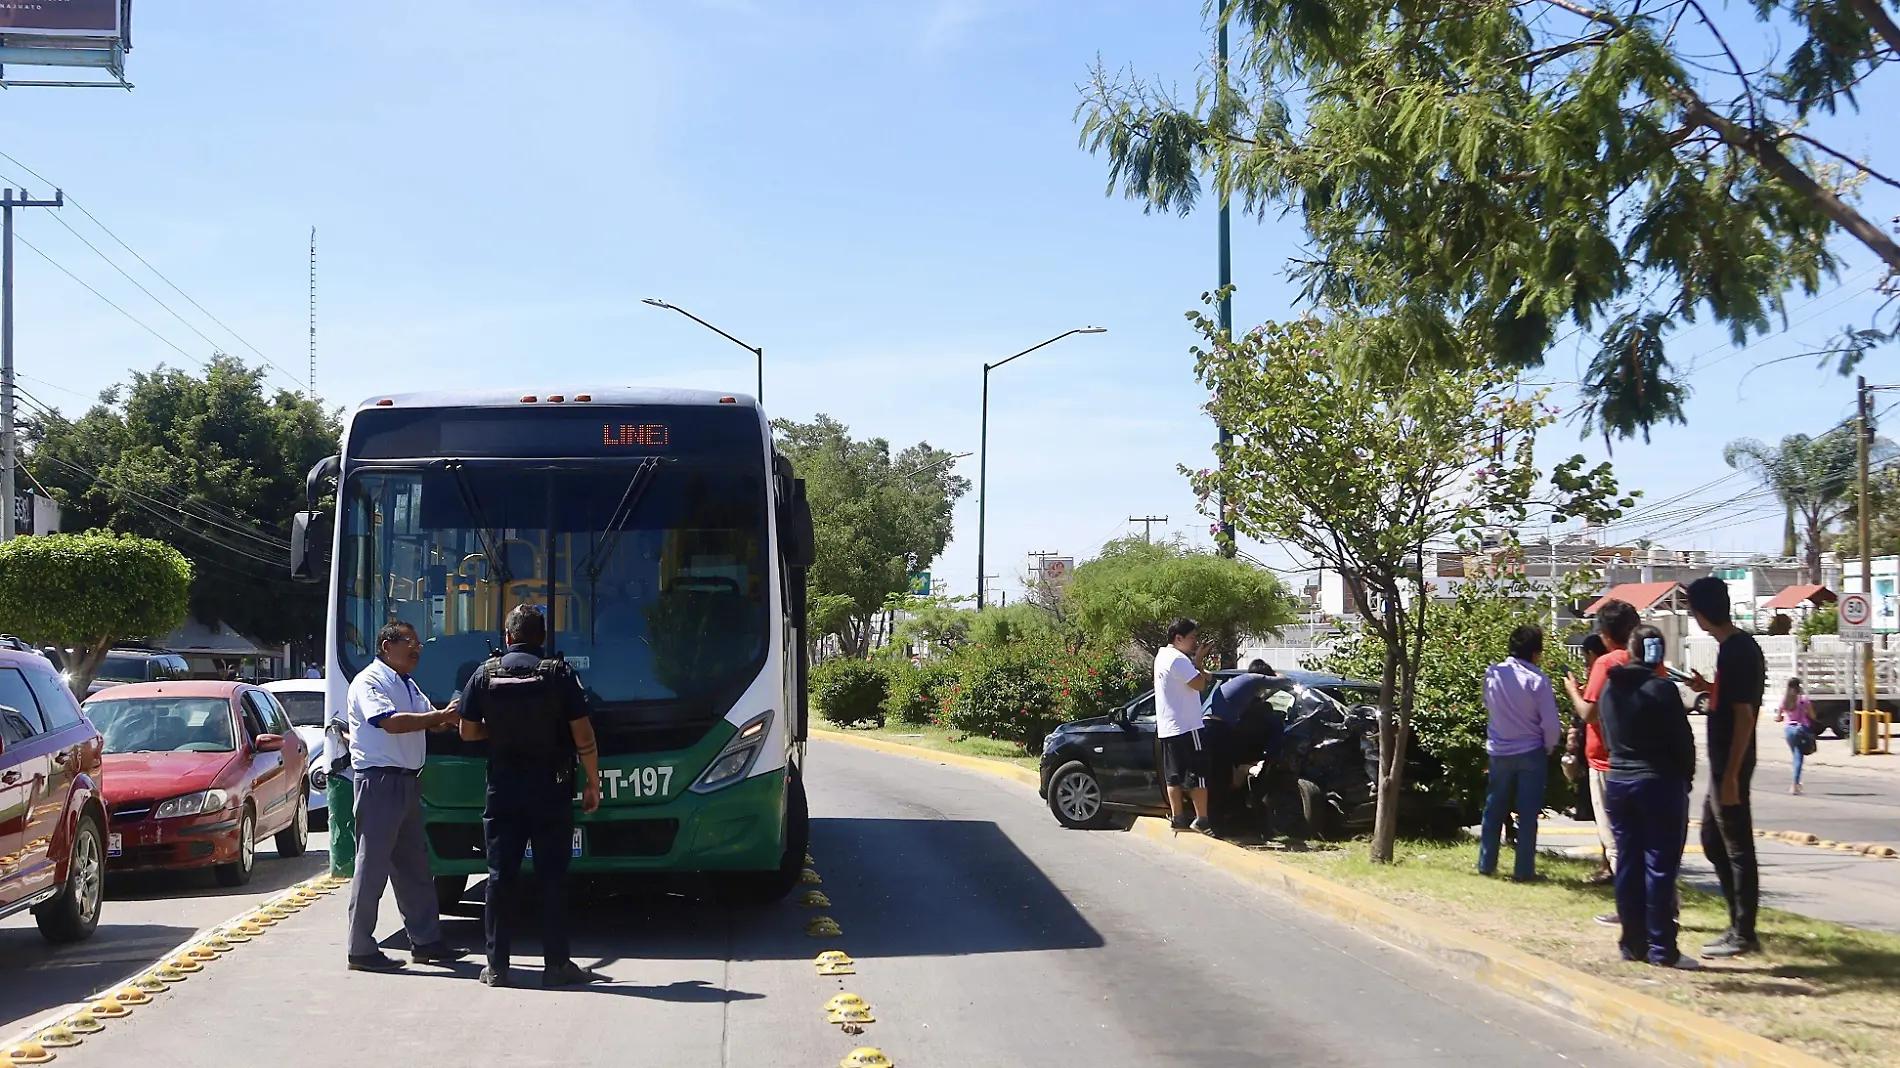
[[636, 783], [115, 845], [527, 851]]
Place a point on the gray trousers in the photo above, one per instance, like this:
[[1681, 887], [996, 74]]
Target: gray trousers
[[390, 849]]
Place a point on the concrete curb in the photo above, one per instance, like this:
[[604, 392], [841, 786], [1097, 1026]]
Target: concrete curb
[[1637, 1018]]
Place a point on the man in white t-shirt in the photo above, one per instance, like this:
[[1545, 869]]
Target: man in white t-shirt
[[1179, 682]]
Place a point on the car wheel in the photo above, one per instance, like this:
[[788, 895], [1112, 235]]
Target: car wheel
[[1844, 726], [1315, 812], [72, 915], [238, 872], [764, 888], [292, 840], [1075, 797], [449, 890]]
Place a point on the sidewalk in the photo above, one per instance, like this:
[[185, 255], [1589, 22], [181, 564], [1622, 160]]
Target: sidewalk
[[1818, 883]]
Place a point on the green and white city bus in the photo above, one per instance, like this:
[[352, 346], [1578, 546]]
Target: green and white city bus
[[667, 541]]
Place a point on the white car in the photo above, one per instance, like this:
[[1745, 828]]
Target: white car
[[303, 700]]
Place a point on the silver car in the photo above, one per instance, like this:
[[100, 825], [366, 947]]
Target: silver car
[[303, 700]]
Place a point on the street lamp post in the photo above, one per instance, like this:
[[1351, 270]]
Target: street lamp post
[[758, 353], [983, 453]]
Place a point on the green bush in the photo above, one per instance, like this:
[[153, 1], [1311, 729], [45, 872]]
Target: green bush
[[1462, 640], [1009, 694], [846, 692], [918, 691]]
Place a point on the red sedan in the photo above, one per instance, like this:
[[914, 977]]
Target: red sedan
[[196, 773]]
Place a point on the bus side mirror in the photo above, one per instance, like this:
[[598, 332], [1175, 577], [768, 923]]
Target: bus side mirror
[[802, 550], [304, 550]]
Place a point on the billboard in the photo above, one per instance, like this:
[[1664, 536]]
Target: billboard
[[1056, 571], [64, 18]]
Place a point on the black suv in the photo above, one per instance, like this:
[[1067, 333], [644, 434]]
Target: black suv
[[1320, 753], [124, 666]]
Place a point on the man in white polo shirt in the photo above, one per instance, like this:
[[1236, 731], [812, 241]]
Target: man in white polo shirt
[[387, 717], [1179, 682]]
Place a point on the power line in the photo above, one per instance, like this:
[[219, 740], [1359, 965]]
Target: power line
[[227, 520], [109, 302], [148, 266], [146, 504]]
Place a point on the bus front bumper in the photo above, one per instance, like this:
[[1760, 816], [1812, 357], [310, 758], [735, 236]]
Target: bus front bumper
[[738, 828]]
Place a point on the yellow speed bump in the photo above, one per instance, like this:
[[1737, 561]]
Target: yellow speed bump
[[26, 1053], [837, 969], [823, 927], [241, 931], [148, 984], [865, 1057], [834, 962], [166, 973], [132, 995], [59, 1036], [84, 1022], [814, 899], [809, 877], [852, 1017], [201, 953], [845, 1001], [809, 862], [185, 963], [108, 1009]]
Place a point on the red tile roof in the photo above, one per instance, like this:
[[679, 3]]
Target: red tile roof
[[1796, 596], [1641, 595]]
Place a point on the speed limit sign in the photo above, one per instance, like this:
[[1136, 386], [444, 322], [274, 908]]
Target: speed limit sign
[[1857, 618]]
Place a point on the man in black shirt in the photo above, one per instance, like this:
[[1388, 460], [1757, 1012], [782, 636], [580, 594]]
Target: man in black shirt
[[1728, 834], [533, 713]]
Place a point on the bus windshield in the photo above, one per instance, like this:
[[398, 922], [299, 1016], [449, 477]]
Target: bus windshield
[[671, 608]]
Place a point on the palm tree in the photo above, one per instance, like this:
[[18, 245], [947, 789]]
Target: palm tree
[[1812, 477]]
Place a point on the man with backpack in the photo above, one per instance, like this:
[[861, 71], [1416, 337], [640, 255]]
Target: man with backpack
[[533, 713]]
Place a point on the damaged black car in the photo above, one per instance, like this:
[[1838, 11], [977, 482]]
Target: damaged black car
[[1307, 747]]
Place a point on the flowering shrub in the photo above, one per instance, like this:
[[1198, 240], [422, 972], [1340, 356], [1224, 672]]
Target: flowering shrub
[[1009, 694], [918, 691], [846, 692]]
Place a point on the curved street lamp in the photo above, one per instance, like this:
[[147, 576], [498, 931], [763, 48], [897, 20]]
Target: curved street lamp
[[758, 353], [983, 447]]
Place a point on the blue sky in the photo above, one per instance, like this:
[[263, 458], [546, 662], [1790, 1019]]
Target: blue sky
[[882, 195]]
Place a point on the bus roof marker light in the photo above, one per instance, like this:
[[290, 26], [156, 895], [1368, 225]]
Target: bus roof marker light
[[385, 403], [528, 399], [555, 398], [583, 397], [728, 400]]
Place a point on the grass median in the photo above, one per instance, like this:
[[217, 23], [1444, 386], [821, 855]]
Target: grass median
[[1827, 989], [944, 740]]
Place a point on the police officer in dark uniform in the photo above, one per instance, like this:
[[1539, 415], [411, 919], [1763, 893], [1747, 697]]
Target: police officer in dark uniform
[[533, 713]]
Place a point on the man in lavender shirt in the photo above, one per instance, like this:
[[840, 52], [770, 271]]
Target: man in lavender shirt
[[1522, 733]]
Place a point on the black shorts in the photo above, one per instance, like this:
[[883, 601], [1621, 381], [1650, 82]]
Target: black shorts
[[1184, 760]]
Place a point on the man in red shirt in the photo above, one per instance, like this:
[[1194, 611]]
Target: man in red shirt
[[1615, 621]]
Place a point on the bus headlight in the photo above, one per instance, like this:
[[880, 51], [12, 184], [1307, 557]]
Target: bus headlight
[[737, 758]]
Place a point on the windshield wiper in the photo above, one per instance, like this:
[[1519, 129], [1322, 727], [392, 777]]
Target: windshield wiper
[[603, 551], [490, 536]]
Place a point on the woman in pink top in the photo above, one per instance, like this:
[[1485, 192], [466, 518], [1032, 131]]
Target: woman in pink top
[[1798, 712]]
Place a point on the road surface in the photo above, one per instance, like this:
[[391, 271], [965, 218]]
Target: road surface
[[985, 935]]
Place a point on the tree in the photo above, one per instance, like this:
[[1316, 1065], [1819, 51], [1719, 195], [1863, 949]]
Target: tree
[[1488, 172], [1467, 636], [1813, 478], [1134, 589], [876, 516], [210, 465], [1363, 473], [1883, 516], [87, 592]]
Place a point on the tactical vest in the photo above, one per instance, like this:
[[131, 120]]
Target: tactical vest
[[523, 710]]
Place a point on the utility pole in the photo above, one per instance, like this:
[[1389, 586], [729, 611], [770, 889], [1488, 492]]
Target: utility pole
[[1866, 437], [1550, 539], [1227, 545], [1147, 524], [8, 451], [982, 594]]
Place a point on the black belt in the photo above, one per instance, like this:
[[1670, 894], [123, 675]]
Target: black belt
[[410, 772]]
